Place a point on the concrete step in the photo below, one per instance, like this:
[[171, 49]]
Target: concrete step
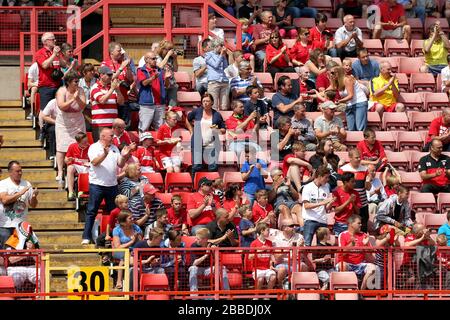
[[48, 184], [35, 174], [19, 134], [66, 237], [10, 103], [51, 216], [32, 154], [52, 195], [12, 114], [16, 124], [44, 205], [58, 226], [77, 259], [55, 246], [27, 163], [11, 144]]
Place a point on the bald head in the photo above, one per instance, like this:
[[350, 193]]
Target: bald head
[[150, 58], [446, 116], [385, 69], [48, 40], [349, 22], [267, 17]]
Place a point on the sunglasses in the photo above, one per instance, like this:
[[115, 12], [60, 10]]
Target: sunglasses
[[332, 73], [292, 225], [306, 34], [275, 37], [152, 58]]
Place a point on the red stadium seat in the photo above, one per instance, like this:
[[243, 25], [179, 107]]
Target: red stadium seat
[[7, 284], [396, 47], [155, 179], [409, 140], [166, 198], [291, 75], [305, 281], [353, 137], [304, 22], [387, 139], [150, 282], [410, 65], [157, 297], [373, 120], [373, 46], [333, 24], [188, 98], [414, 158], [416, 27], [435, 100], [435, 221], [232, 178], [420, 120], [439, 83], [83, 186], [411, 179], [403, 82], [362, 24], [443, 202], [183, 80], [422, 81], [395, 121], [10, 30], [422, 202], [399, 160], [178, 180], [344, 281], [416, 47], [266, 80], [209, 175], [267, 4]]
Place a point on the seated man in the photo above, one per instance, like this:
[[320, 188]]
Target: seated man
[[174, 260], [360, 263], [375, 195], [303, 86], [384, 91], [162, 222], [348, 38], [223, 232], [445, 228], [281, 140], [440, 129], [365, 69], [371, 150], [395, 211], [283, 101], [77, 161], [258, 105], [392, 23], [296, 168], [434, 169], [121, 137], [330, 126], [299, 122], [177, 215]]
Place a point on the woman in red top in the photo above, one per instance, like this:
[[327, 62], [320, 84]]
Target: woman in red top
[[299, 53], [277, 57], [233, 201]]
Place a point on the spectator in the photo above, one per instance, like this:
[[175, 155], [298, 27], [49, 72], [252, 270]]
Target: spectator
[[434, 169], [320, 37], [283, 19], [384, 92], [16, 195], [104, 158], [77, 161], [247, 42], [219, 189], [301, 123], [174, 260], [239, 84], [33, 83], [362, 183], [69, 118], [435, 49], [234, 199], [223, 232], [50, 75], [445, 229], [277, 55], [440, 129], [66, 60], [201, 263], [316, 64], [49, 119], [258, 105], [346, 204], [251, 10], [322, 259], [177, 215], [365, 69], [375, 196], [217, 32], [147, 213], [414, 9], [392, 22], [284, 101], [152, 81], [285, 198], [247, 229], [124, 72], [305, 87], [262, 210], [161, 222], [200, 68], [264, 263], [386, 239], [299, 53], [125, 235], [325, 156], [301, 9], [296, 168], [202, 205], [153, 263], [445, 77], [317, 200], [170, 158], [253, 172], [360, 263], [146, 154], [395, 211], [87, 82], [261, 34], [392, 182], [283, 139], [355, 98], [105, 98], [218, 83], [371, 150], [167, 60], [330, 126], [121, 137], [326, 79], [348, 38], [232, 70], [205, 138], [356, 8]]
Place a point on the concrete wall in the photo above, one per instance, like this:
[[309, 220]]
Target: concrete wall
[[9, 83]]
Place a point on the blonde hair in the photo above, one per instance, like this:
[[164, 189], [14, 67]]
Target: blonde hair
[[170, 114], [129, 168], [164, 44], [243, 20], [120, 198], [217, 182], [339, 83], [202, 233], [441, 240], [321, 233], [391, 180]]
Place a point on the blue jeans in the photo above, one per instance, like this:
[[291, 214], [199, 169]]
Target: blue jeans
[[96, 195], [46, 94], [420, 13], [305, 12], [309, 229], [339, 227], [251, 199], [357, 116]]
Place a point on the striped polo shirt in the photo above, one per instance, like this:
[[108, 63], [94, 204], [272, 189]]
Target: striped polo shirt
[[360, 180], [103, 114]]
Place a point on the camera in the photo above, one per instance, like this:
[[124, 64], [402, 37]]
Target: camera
[[327, 33], [179, 52], [125, 85]]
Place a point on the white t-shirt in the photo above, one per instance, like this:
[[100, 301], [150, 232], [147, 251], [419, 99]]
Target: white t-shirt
[[12, 214], [445, 74], [33, 73], [281, 241], [50, 109], [314, 194], [105, 173]]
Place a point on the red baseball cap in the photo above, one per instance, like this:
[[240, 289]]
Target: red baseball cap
[[149, 188]]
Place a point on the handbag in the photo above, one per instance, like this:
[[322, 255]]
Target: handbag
[[57, 74]]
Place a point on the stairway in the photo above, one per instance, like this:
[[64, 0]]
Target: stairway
[[55, 220]]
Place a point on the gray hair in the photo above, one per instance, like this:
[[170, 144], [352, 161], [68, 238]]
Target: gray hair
[[216, 42], [298, 106], [47, 36], [244, 65], [275, 171], [220, 213]]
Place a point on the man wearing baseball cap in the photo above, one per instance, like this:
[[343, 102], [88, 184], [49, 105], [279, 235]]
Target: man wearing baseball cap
[[146, 153], [329, 126], [202, 205], [151, 205], [105, 98]]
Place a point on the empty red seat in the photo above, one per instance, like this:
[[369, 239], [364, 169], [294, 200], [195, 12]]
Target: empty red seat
[[333, 24], [435, 100], [395, 121], [410, 65], [7, 284], [398, 159], [409, 140], [420, 120], [387, 139], [156, 179], [373, 120], [396, 47], [411, 179], [373, 46], [188, 98], [166, 198], [353, 137], [416, 27], [344, 281], [435, 221], [305, 281], [412, 100], [266, 80], [209, 175], [443, 202], [303, 22], [178, 180], [416, 47], [422, 202], [232, 178], [150, 281], [403, 82], [422, 81], [183, 80], [414, 158]]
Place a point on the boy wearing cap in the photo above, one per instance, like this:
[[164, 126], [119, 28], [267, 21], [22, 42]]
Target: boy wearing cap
[[146, 154], [329, 126], [166, 142], [202, 205]]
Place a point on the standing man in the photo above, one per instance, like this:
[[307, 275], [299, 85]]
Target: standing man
[[105, 158], [200, 69], [16, 195], [348, 38]]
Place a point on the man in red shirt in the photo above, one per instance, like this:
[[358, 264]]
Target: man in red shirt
[[121, 137], [170, 158], [434, 169], [440, 128], [346, 204], [295, 167], [177, 215], [146, 153], [360, 263], [371, 150], [47, 59], [392, 22], [261, 33], [320, 37], [77, 161], [202, 205]]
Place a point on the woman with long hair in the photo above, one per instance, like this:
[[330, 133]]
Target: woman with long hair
[[299, 53], [277, 56], [325, 156], [234, 199], [167, 60], [316, 63]]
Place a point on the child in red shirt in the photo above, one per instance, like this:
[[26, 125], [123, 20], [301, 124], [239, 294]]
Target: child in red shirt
[[77, 161], [263, 210], [146, 154], [177, 215], [295, 167], [170, 159]]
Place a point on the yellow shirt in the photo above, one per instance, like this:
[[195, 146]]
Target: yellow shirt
[[387, 98], [437, 54]]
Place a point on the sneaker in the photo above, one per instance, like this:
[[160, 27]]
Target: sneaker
[[41, 136], [80, 193], [71, 196], [85, 242], [29, 117], [51, 158]]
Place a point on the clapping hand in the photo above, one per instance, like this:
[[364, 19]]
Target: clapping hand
[[56, 50], [115, 84], [106, 150], [126, 151], [35, 192], [366, 239], [125, 63]]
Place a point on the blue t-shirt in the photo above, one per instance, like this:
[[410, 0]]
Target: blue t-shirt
[[255, 181], [118, 232], [367, 72], [249, 37], [445, 229], [245, 225], [278, 99]]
